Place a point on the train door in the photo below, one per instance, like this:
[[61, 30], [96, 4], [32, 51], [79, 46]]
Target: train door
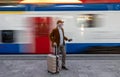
[[42, 29]]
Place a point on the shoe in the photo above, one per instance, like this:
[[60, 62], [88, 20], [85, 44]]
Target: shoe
[[65, 68]]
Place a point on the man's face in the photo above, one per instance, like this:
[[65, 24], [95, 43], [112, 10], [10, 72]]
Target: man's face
[[60, 24]]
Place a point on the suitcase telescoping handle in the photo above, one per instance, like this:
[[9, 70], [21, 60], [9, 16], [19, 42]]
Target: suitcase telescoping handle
[[57, 62], [55, 49]]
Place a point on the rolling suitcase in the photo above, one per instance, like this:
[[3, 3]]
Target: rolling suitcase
[[53, 62]]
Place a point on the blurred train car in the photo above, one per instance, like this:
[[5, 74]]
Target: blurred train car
[[94, 29]]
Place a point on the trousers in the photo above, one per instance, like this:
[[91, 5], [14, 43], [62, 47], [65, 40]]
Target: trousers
[[61, 50]]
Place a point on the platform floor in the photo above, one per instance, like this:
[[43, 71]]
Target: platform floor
[[77, 68]]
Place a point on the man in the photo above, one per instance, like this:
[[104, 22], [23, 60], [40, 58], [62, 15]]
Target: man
[[58, 39]]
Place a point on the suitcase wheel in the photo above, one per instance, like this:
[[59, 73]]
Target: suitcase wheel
[[48, 71]]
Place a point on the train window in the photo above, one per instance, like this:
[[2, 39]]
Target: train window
[[89, 20], [7, 36]]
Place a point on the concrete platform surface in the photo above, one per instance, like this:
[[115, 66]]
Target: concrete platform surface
[[77, 68]]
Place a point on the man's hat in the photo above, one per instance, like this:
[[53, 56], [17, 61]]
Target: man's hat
[[60, 21]]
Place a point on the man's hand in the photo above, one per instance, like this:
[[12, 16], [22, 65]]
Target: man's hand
[[69, 40], [54, 44]]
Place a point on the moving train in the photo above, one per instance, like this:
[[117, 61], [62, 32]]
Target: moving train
[[94, 28]]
